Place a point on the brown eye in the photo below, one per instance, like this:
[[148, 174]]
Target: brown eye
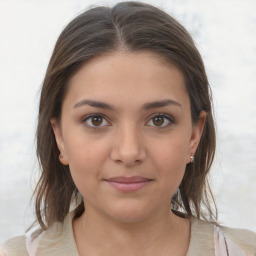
[[158, 120], [95, 121], [161, 121]]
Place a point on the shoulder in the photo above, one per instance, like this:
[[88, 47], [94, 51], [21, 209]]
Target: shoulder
[[243, 238], [58, 239], [34, 242], [15, 246], [203, 238]]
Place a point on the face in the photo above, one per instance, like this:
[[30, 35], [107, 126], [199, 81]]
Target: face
[[126, 134]]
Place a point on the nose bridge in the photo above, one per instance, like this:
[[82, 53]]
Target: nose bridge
[[129, 147]]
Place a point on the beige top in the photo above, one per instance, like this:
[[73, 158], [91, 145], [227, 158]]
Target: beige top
[[59, 240]]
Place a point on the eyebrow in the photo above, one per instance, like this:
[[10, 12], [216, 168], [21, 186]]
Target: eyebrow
[[146, 106]]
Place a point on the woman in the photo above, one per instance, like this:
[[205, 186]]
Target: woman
[[125, 139]]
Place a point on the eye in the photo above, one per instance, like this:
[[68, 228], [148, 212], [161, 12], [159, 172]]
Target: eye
[[95, 121], [161, 120]]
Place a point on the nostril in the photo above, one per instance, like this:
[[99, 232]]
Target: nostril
[[128, 162]]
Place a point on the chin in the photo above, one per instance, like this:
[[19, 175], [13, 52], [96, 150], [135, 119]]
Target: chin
[[129, 213]]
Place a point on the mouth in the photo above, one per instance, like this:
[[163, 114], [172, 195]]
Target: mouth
[[128, 184]]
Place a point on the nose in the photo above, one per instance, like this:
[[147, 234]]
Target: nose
[[128, 147]]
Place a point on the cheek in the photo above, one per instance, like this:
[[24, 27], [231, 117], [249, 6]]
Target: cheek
[[85, 159], [170, 161], [84, 151]]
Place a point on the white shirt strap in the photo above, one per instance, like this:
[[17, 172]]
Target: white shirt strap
[[224, 246]]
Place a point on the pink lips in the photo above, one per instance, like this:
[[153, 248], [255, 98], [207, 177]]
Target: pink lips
[[128, 184]]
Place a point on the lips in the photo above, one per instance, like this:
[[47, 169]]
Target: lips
[[128, 184]]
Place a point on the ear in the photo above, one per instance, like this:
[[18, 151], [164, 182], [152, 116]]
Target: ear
[[197, 131], [59, 140]]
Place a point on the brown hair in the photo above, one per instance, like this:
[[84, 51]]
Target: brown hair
[[133, 26]]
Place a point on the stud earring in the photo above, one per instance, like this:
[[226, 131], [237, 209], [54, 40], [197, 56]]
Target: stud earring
[[192, 159], [62, 159]]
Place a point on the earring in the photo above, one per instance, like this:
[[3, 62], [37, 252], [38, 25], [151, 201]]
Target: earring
[[62, 159], [192, 159]]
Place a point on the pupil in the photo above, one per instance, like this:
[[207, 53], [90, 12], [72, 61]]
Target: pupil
[[158, 121], [96, 120]]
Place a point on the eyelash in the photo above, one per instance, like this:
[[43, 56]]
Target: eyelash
[[166, 116]]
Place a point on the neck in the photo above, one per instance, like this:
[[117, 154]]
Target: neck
[[96, 234]]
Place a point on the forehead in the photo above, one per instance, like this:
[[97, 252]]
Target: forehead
[[124, 76]]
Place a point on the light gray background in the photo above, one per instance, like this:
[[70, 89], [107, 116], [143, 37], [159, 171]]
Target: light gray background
[[225, 33]]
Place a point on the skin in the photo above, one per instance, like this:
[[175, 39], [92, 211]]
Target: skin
[[128, 141]]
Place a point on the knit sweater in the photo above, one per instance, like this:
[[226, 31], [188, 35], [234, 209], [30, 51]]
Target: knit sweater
[[59, 240]]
